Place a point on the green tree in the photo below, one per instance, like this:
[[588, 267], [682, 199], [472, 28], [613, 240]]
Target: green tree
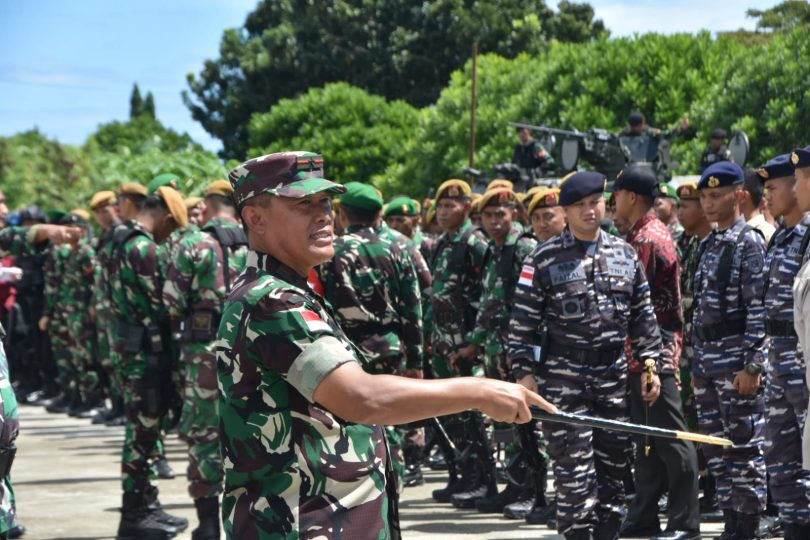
[[149, 106], [399, 50], [782, 17], [135, 102], [575, 23], [141, 132], [359, 134]]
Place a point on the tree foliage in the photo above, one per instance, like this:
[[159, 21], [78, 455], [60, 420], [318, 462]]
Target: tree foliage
[[140, 133], [359, 133], [135, 102], [782, 17], [399, 50]]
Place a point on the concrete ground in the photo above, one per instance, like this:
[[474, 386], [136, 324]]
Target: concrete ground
[[66, 476]]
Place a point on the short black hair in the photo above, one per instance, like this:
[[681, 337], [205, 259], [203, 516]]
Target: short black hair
[[154, 202], [137, 200], [753, 185], [636, 118], [220, 201], [359, 215]]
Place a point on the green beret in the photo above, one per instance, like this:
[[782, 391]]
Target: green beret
[[669, 191], [402, 206], [164, 179], [361, 196], [54, 216]]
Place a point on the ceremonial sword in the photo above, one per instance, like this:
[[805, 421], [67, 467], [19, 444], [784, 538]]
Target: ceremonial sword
[[616, 425]]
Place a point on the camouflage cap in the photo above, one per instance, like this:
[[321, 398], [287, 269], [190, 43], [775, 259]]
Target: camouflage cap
[[218, 187], [453, 189], [132, 188], [163, 179], [497, 197], [500, 182], [174, 201], [191, 202], [688, 192], [285, 174], [402, 206], [545, 198], [102, 199], [362, 196]]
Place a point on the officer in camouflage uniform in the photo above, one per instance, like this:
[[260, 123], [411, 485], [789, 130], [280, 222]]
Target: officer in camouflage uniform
[[79, 281], [372, 285], [786, 392], [141, 344], [105, 208], [293, 396], [589, 290], [194, 293], [18, 241], [730, 350]]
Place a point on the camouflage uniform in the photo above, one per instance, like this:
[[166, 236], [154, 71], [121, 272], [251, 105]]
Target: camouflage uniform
[[194, 293], [786, 392], [688, 248], [456, 293], [499, 279], [728, 333], [278, 341], [56, 294], [79, 280], [591, 298], [105, 317], [135, 288]]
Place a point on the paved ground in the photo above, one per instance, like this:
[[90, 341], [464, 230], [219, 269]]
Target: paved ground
[[67, 480]]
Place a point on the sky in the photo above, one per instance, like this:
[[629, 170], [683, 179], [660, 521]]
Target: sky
[[68, 65]]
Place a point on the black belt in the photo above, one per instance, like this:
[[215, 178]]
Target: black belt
[[783, 329], [587, 357], [716, 332]]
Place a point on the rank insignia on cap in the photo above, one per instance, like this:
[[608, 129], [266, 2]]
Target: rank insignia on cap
[[550, 199], [404, 208], [503, 197], [794, 158], [714, 181], [453, 191], [763, 172]]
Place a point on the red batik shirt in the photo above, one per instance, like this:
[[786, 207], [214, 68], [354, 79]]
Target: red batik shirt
[[658, 256]]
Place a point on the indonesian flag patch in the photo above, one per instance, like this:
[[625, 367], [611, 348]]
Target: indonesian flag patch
[[526, 275], [314, 322]]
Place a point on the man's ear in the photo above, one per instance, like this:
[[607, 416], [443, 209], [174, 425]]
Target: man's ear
[[254, 218]]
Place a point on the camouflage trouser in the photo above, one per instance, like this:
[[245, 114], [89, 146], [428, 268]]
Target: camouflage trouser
[[199, 424], [9, 427], [60, 343], [81, 350], [106, 355], [785, 414], [141, 436], [588, 463], [739, 470], [687, 390]]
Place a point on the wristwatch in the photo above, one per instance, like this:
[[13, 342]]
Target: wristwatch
[[753, 369]]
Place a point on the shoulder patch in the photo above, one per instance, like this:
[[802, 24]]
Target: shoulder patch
[[526, 275]]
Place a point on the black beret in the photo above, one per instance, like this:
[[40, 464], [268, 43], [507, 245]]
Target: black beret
[[639, 179], [778, 167], [718, 134], [580, 185], [721, 174], [801, 157]]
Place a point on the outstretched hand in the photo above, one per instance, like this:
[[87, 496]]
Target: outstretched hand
[[509, 402]]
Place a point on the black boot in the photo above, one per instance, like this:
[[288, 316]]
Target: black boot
[[794, 531], [578, 534], [17, 531], [519, 509], [747, 526], [730, 528], [137, 524], [541, 511], [495, 505], [413, 466], [208, 515], [77, 404], [607, 528], [94, 406], [156, 511], [164, 470], [60, 404]]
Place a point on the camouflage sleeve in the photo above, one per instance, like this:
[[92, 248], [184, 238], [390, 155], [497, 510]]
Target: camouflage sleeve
[[287, 335], [142, 258], [478, 252], [16, 240], [526, 318], [643, 331], [52, 278], [410, 315], [179, 275], [752, 280]]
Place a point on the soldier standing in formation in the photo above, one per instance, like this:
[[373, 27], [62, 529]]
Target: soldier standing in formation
[[786, 392], [661, 465], [590, 292], [730, 350], [199, 277], [546, 215]]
